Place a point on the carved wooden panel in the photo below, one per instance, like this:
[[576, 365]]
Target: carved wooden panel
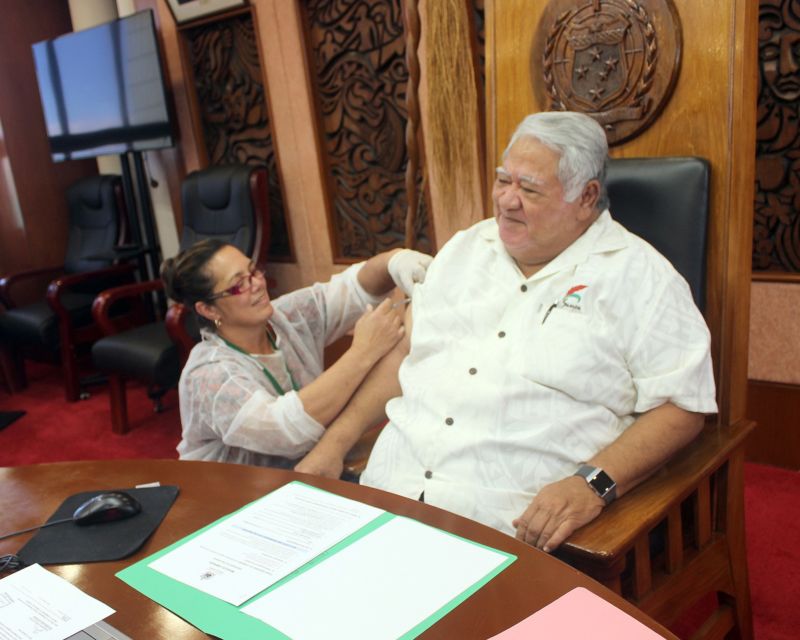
[[776, 232], [357, 64], [615, 60], [232, 101]]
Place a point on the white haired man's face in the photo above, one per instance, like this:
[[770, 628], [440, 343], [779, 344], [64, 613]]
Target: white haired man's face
[[534, 221]]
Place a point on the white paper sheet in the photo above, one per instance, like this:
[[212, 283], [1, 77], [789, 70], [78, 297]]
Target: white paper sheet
[[35, 603], [380, 587], [264, 542]]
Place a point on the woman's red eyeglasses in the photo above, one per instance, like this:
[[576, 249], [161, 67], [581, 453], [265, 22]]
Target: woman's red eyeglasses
[[242, 286]]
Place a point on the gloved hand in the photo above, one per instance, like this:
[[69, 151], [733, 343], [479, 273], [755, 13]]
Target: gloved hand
[[407, 268]]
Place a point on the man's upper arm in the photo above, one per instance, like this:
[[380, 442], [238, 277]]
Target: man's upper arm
[[670, 360]]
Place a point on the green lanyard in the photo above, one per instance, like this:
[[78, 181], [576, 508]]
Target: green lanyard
[[270, 377]]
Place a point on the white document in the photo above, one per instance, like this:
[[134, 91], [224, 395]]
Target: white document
[[380, 587], [264, 542], [35, 603]]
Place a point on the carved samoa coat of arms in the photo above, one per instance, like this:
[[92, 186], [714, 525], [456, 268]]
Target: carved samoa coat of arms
[[615, 60]]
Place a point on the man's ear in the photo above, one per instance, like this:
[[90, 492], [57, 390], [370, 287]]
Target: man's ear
[[590, 195]]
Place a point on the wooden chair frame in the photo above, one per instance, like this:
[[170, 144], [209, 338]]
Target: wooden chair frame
[[685, 521]]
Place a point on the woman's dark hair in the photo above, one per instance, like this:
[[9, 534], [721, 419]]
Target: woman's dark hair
[[186, 278]]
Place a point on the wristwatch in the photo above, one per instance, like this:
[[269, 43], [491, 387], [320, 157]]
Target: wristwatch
[[599, 481]]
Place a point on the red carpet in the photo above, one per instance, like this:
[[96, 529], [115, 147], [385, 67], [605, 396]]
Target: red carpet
[[53, 430], [772, 519]]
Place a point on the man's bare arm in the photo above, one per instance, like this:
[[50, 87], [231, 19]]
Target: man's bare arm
[[566, 505], [366, 408]]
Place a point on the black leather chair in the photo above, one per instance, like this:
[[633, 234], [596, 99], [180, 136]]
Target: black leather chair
[[53, 325], [228, 202], [665, 201], [678, 538]]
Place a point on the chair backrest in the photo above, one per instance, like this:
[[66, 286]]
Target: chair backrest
[[97, 222], [228, 202], [665, 201]]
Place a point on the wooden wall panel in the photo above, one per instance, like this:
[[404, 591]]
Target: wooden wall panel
[[711, 114], [33, 211], [777, 223], [776, 439], [357, 59], [280, 25], [296, 137], [232, 107]]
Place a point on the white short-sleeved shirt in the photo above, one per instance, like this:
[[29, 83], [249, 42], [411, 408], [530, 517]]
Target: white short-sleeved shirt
[[231, 412], [512, 382]]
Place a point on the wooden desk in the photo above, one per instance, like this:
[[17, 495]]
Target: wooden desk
[[208, 490]]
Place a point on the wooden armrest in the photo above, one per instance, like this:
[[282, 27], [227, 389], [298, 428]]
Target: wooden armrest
[[8, 282], [615, 530], [176, 318], [59, 285], [101, 307]]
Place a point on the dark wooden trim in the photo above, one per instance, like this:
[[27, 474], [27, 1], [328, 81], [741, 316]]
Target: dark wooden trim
[[190, 83], [776, 439], [776, 276]]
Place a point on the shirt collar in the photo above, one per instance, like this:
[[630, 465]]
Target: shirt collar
[[603, 235]]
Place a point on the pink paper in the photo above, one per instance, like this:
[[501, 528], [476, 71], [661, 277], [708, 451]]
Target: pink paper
[[579, 615]]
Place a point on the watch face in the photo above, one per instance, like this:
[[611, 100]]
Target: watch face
[[602, 483]]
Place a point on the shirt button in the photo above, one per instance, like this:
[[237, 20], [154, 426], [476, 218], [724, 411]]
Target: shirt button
[[473, 371], [449, 421], [502, 334], [523, 288], [429, 474]]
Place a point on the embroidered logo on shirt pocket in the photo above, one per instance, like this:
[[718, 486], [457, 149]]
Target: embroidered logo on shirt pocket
[[573, 299]]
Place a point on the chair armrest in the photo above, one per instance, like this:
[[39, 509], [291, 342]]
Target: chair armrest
[[175, 320], [58, 286], [8, 282], [615, 530], [101, 307]]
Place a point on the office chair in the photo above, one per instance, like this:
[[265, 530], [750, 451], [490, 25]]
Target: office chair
[[54, 325], [227, 202], [679, 535]]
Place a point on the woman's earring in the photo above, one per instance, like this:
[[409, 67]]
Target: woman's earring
[[217, 323]]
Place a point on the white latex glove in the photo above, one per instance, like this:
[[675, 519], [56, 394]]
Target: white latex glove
[[407, 268]]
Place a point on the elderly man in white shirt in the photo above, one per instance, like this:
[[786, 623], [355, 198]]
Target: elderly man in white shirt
[[556, 360]]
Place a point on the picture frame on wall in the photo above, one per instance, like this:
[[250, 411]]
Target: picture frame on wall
[[188, 10]]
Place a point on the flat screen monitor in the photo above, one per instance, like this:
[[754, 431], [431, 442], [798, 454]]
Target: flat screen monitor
[[102, 90]]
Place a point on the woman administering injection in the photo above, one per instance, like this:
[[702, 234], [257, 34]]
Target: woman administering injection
[[253, 390]]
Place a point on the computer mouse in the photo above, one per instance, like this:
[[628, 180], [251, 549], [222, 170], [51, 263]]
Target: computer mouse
[[106, 507]]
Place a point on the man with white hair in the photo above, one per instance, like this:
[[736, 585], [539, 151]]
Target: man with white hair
[[556, 360]]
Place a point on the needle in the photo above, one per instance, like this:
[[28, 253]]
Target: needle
[[402, 303]]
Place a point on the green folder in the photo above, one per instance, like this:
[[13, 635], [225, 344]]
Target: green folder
[[226, 621]]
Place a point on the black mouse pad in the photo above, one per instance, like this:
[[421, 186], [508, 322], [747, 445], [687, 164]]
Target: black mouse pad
[[70, 544]]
